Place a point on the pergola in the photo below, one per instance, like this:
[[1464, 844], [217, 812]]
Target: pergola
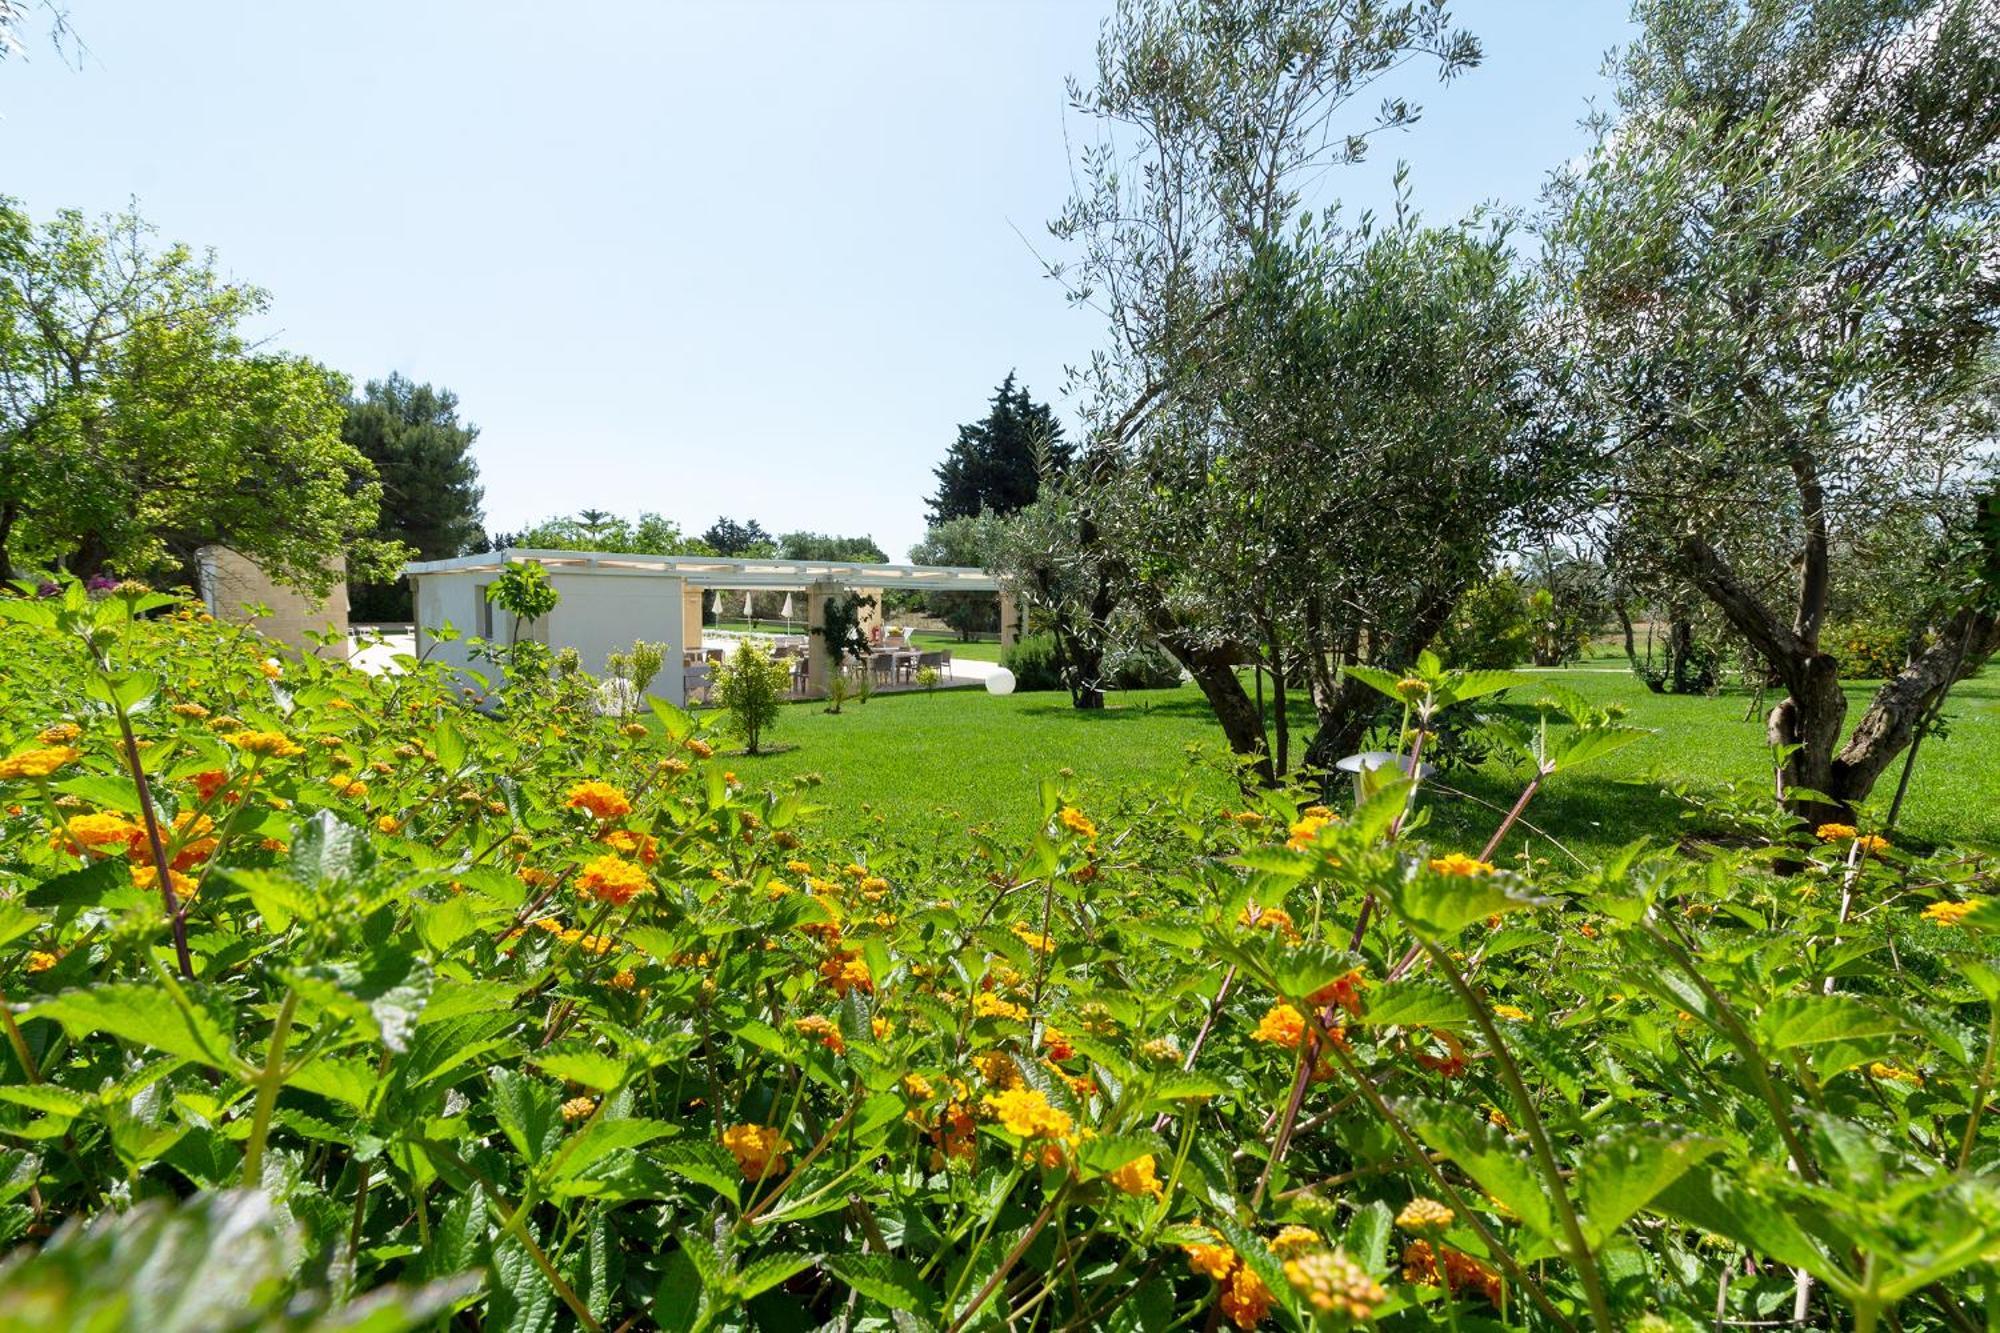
[[610, 598]]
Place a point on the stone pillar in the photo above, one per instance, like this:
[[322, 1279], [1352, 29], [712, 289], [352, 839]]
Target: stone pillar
[[1010, 620], [819, 658], [871, 616], [691, 604]]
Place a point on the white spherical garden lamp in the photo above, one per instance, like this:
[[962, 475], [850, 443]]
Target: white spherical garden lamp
[[1000, 682]]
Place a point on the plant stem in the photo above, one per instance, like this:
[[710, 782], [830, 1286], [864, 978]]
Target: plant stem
[[1531, 1121], [1420, 1154], [267, 1091], [34, 1075], [176, 910], [1527, 794], [1979, 1092], [1013, 1257]]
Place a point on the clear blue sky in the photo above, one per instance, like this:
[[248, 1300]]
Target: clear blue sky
[[747, 258]]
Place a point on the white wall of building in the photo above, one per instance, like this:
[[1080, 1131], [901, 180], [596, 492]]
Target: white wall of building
[[600, 612], [603, 612]]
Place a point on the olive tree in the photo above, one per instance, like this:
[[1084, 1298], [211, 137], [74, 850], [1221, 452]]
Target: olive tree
[[1190, 231], [1779, 282]]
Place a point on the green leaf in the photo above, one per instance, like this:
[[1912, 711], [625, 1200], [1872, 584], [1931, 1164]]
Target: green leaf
[[1414, 1002], [519, 1299], [598, 1140], [1103, 1155], [449, 746], [327, 850], [527, 1110], [1305, 969], [1462, 686], [1383, 682], [1622, 1172], [767, 1271], [1588, 743], [1368, 1235], [351, 1082], [1250, 1247], [147, 1016], [383, 998], [1714, 1201], [1442, 905], [16, 920], [277, 899], [103, 790], [84, 887], [704, 1163], [884, 1278], [1483, 1153], [576, 1063], [128, 690], [446, 923], [46, 1098], [1803, 1020]]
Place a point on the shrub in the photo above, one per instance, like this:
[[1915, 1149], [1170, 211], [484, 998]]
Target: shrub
[[540, 1020], [752, 688], [1869, 650], [1491, 629], [1032, 659], [1143, 667]]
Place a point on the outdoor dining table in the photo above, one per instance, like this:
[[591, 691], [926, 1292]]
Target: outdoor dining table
[[896, 662]]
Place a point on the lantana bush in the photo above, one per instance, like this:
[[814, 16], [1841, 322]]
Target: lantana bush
[[333, 1000]]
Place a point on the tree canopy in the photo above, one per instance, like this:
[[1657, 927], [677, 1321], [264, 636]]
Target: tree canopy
[[997, 463], [826, 546], [597, 530], [430, 483], [137, 423], [1778, 276], [726, 536]]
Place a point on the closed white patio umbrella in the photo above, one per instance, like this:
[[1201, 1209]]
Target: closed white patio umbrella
[[787, 613]]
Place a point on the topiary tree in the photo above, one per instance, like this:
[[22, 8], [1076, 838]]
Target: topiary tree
[[751, 688]]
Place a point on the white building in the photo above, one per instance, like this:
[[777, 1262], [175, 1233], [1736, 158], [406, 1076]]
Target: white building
[[608, 600]]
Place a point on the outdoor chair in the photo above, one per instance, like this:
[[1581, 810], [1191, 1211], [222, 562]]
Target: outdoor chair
[[935, 661], [945, 669], [697, 680]]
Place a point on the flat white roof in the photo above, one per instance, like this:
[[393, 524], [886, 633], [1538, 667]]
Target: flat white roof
[[714, 571]]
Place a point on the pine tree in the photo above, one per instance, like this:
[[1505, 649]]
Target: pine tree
[[995, 465], [430, 483]]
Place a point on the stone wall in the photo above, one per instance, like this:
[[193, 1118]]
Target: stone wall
[[230, 582]]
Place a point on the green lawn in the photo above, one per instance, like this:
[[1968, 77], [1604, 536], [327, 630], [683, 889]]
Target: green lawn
[[978, 650], [924, 764]]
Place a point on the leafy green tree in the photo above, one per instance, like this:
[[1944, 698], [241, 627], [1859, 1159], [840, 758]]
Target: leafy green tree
[[973, 540], [595, 530], [752, 688], [524, 592], [726, 536], [1778, 262], [997, 463], [825, 546], [137, 424], [430, 484], [1306, 440]]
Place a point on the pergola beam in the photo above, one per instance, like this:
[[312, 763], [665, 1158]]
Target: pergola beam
[[703, 571]]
